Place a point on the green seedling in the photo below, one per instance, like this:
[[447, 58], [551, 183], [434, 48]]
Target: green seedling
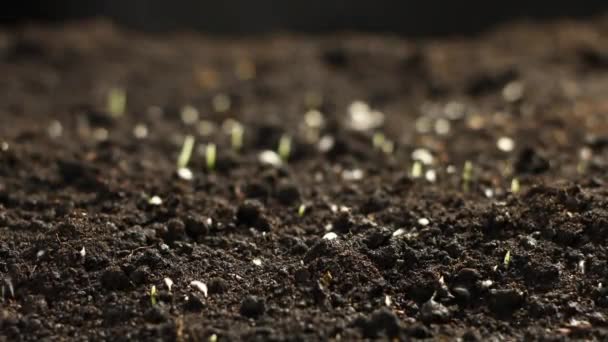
[[186, 153], [302, 210], [117, 102], [153, 295], [515, 187], [378, 140], [284, 149], [416, 169], [467, 175], [210, 156], [236, 136], [507, 259]]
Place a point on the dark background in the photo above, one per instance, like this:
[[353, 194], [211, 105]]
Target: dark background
[[408, 17]]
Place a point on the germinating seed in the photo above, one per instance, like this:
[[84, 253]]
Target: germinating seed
[[185, 173], [55, 129], [423, 155], [314, 119], [363, 118], [416, 169], [200, 286], [221, 103], [326, 143], [186, 152], [507, 259], [140, 131], [210, 156], [153, 295], [168, 283], [515, 185], [430, 176], [257, 261], [302, 210], [423, 221], [270, 158], [236, 136]]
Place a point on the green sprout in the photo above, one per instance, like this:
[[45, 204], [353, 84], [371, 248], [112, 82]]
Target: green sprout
[[213, 338], [507, 259], [515, 187], [186, 153], [210, 155], [378, 140], [302, 210], [236, 136], [284, 148], [117, 102], [416, 169], [153, 295], [467, 175]]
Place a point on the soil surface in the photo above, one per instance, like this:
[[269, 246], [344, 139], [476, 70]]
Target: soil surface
[[497, 232]]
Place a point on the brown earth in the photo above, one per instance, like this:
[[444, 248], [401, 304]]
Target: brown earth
[[81, 244]]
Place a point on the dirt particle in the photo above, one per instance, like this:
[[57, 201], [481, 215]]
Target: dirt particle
[[113, 278], [433, 312], [504, 302], [217, 285], [253, 307]]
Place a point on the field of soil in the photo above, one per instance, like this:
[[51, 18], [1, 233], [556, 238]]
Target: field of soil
[[340, 187]]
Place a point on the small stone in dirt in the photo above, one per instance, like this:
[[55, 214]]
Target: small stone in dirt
[[530, 161], [432, 311], [461, 293], [253, 307], [381, 321], [194, 303], [196, 226], [249, 212], [287, 194], [217, 285], [176, 229], [114, 278], [505, 301]]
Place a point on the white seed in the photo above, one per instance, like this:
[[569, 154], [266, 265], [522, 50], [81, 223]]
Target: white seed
[[326, 143], [168, 283], [257, 261], [352, 175], [55, 129], [83, 252], [330, 236], [140, 131], [489, 193], [270, 157], [185, 173], [450, 169], [486, 283], [581, 266], [430, 176], [189, 115], [513, 91], [4, 146], [363, 118], [387, 300], [442, 126], [423, 155], [585, 153], [423, 221], [314, 119], [505, 144], [200, 286], [398, 232], [155, 200]]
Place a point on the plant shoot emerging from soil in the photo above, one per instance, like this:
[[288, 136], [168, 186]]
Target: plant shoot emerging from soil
[[186, 152], [467, 175], [302, 210], [507, 259], [515, 186], [210, 156], [117, 102], [416, 169], [284, 149]]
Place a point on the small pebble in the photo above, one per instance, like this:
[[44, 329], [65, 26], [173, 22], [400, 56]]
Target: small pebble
[[253, 307]]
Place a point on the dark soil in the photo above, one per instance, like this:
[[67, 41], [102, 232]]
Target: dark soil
[[81, 246]]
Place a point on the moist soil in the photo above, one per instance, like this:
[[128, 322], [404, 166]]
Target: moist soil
[[511, 246]]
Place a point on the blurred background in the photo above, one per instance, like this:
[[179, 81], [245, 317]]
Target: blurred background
[[406, 17]]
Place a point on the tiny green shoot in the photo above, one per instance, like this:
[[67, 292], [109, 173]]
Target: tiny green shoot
[[153, 295], [236, 136], [210, 156], [284, 149], [507, 259], [117, 102], [416, 169], [515, 186], [467, 175], [302, 210], [186, 153], [213, 338], [378, 140]]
